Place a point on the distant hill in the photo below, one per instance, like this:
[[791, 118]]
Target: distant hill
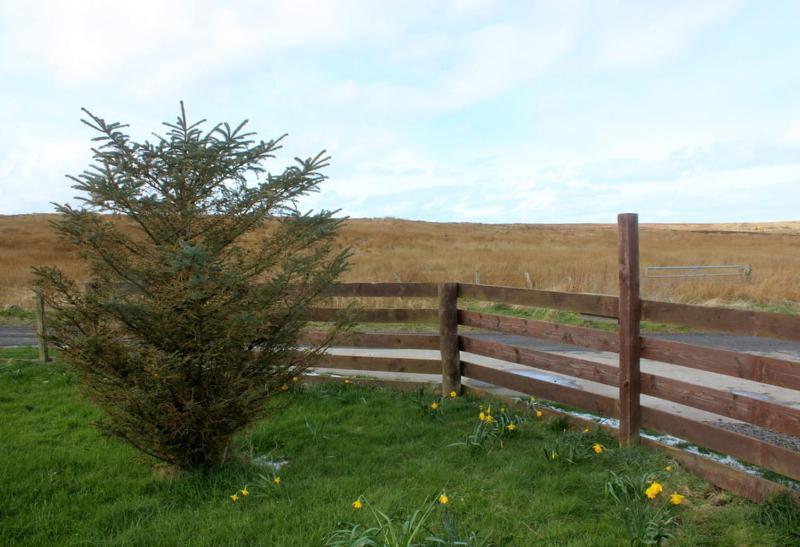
[[573, 257]]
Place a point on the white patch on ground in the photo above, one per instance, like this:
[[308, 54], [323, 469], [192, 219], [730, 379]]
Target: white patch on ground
[[264, 461], [675, 442]]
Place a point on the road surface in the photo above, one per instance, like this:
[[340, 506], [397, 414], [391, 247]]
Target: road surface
[[26, 336]]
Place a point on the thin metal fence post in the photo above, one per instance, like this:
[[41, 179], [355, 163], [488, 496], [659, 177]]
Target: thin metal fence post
[[41, 329]]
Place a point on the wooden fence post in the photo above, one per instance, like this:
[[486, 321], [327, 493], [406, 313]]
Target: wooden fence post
[[629, 315], [448, 338], [41, 328]]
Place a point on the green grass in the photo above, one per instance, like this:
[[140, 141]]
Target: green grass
[[16, 316], [63, 483], [22, 354], [790, 308], [570, 318]]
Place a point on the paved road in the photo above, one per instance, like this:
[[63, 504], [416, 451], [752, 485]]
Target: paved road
[[17, 336], [25, 336]]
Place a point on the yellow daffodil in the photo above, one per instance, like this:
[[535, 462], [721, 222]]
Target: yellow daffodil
[[488, 410], [653, 490], [598, 448], [502, 409], [244, 491], [586, 430], [347, 382], [295, 379], [453, 394], [482, 416], [285, 387], [444, 500], [234, 498], [668, 469], [539, 413], [511, 427], [434, 405], [676, 499], [276, 480], [358, 504], [489, 418]]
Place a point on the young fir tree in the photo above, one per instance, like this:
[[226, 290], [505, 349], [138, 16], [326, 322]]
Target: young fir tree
[[188, 325]]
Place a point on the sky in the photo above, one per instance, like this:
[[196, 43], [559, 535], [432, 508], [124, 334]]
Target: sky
[[441, 110]]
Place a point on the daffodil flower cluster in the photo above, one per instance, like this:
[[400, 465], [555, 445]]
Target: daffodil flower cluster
[[649, 514], [436, 406], [243, 493], [389, 529], [656, 488]]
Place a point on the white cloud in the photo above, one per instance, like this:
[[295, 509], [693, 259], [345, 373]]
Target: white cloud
[[397, 92], [498, 57], [33, 169], [473, 5], [792, 134], [157, 47], [640, 33], [393, 172], [466, 68], [478, 212]]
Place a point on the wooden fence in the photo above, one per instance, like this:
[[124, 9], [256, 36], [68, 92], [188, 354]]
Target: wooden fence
[[455, 362], [626, 308]]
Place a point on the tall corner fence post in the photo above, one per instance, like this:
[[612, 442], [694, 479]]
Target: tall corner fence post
[[629, 341], [41, 328], [448, 338]]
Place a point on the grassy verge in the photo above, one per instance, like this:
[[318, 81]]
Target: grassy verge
[[570, 318], [539, 314], [63, 483], [16, 316]]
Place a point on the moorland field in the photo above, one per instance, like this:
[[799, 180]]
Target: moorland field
[[566, 257]]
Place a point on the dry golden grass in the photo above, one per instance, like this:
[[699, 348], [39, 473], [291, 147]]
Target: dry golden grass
[[568, 257]]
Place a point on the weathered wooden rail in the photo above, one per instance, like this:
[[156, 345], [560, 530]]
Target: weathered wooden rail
[[629, 310]]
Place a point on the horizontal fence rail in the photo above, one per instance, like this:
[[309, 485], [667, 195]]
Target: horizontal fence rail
[[594, 304], [743, 322], [578, 336], [570, 366], [398, 290], [736, 405], [606, 406], [380, 364], [380, 315], [769, 456], [757, 368], [375, 340]]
